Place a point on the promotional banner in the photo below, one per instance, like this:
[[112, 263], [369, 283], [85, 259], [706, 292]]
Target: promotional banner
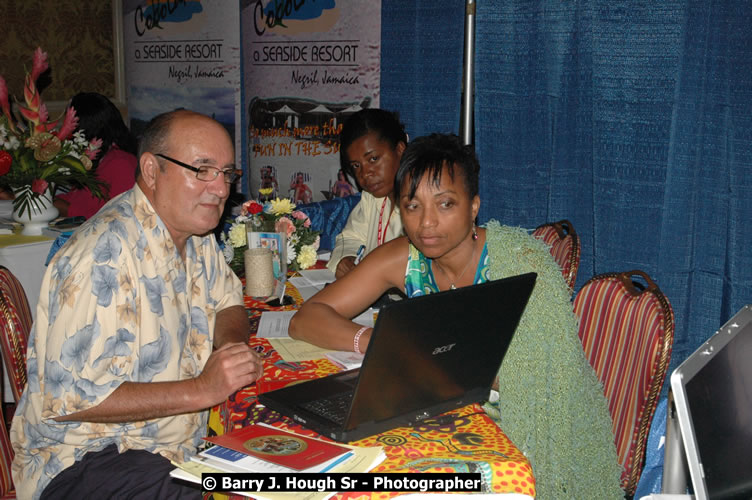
[[183, 54], [307, 65]]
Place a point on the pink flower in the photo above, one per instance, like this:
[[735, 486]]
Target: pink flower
[[43, 115], [39, 64], [284, 225], [302, 216], [4, 101], [39, 186], [3, 93], [93, 150], [70, 122]]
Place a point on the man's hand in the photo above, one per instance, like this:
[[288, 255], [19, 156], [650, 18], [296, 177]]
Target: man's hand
[[229, 368], [345, 265], [232, 366]]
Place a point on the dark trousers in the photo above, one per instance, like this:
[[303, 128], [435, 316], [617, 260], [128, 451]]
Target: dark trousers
[[109, 474]]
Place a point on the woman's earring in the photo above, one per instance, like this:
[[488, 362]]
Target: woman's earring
[[475, 233]]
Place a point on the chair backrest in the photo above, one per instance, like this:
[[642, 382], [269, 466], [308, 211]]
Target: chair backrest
[[564, 245], [330, 217], [15, 324], [627, 330], [6, 459]]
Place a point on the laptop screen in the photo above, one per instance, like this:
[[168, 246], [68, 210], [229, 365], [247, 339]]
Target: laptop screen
[[713, 391]]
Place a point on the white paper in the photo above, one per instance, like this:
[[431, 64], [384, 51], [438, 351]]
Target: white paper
[[297, 350], [318, 276], [367, 317], [304, 287], [274, 324], [311, 281], [346, 359]]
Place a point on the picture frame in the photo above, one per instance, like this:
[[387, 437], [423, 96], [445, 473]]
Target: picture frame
[[277, 243]]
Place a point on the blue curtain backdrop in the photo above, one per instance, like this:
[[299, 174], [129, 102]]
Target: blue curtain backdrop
[[421, 63], [632, 119]]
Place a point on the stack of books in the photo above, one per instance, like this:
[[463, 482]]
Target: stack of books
[[261, 448]]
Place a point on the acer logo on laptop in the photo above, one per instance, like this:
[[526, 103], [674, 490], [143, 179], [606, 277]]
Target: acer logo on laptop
[[442, 349]]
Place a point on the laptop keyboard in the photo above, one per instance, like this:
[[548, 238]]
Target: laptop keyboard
[[333, 408]]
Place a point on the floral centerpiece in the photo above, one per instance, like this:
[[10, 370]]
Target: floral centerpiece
[[279, 216], [39, 155]]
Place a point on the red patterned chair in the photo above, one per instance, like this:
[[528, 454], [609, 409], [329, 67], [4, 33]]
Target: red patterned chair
[[7, 490], [15, 323], [564, 245], [627, 331]]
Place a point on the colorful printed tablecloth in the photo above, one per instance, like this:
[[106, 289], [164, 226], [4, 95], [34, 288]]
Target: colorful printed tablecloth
[[463, 440]]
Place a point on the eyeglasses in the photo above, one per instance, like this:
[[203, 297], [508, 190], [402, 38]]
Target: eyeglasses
[[205, 173]]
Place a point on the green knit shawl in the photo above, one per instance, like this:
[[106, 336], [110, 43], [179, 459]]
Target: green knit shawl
[[551, 403]]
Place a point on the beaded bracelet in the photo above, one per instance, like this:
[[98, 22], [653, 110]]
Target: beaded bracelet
[[356, 339]]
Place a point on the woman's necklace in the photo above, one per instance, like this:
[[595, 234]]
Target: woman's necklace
[[458, 278]]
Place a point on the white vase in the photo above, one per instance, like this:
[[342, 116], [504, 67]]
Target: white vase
[[42, 212]]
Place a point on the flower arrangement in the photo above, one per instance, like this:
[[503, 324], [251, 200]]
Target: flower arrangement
[[279, 216], [42, 154]]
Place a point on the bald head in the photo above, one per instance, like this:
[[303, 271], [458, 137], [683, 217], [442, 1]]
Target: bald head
[[173, 147], [156, 136]]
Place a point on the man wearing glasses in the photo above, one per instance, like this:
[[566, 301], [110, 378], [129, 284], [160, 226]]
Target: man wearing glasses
[[140, 329]]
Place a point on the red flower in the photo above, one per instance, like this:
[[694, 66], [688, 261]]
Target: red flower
[[39, 186], [253, 207], [6, 160]]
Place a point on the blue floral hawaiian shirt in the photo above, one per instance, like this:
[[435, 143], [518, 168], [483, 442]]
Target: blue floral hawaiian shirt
[[117, 304]]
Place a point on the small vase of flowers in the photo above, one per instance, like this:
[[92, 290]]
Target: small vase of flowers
[[274, 216], [38, 155]]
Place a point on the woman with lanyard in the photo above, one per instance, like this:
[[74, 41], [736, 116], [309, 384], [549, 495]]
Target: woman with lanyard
[[371, 146]]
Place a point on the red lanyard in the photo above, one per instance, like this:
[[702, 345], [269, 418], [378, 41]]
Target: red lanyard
[[380, 237]]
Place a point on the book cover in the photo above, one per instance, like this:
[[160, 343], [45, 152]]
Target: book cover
[[280, 447]]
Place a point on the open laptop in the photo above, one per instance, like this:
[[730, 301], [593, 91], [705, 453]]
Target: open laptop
[[713, 396], [427, 355]]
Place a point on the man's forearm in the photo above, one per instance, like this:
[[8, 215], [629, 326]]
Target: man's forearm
[[231, 326], [133, 401], [226, 371]]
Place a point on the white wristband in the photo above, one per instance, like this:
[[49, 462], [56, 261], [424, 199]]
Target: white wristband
[[356, 339]]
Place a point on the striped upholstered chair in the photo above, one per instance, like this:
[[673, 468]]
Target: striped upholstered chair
[[564, 245], [627, 330], [15, 324], [7, 490]]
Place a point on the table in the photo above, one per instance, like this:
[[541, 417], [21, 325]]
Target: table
[[24, 256], [463, 440]]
